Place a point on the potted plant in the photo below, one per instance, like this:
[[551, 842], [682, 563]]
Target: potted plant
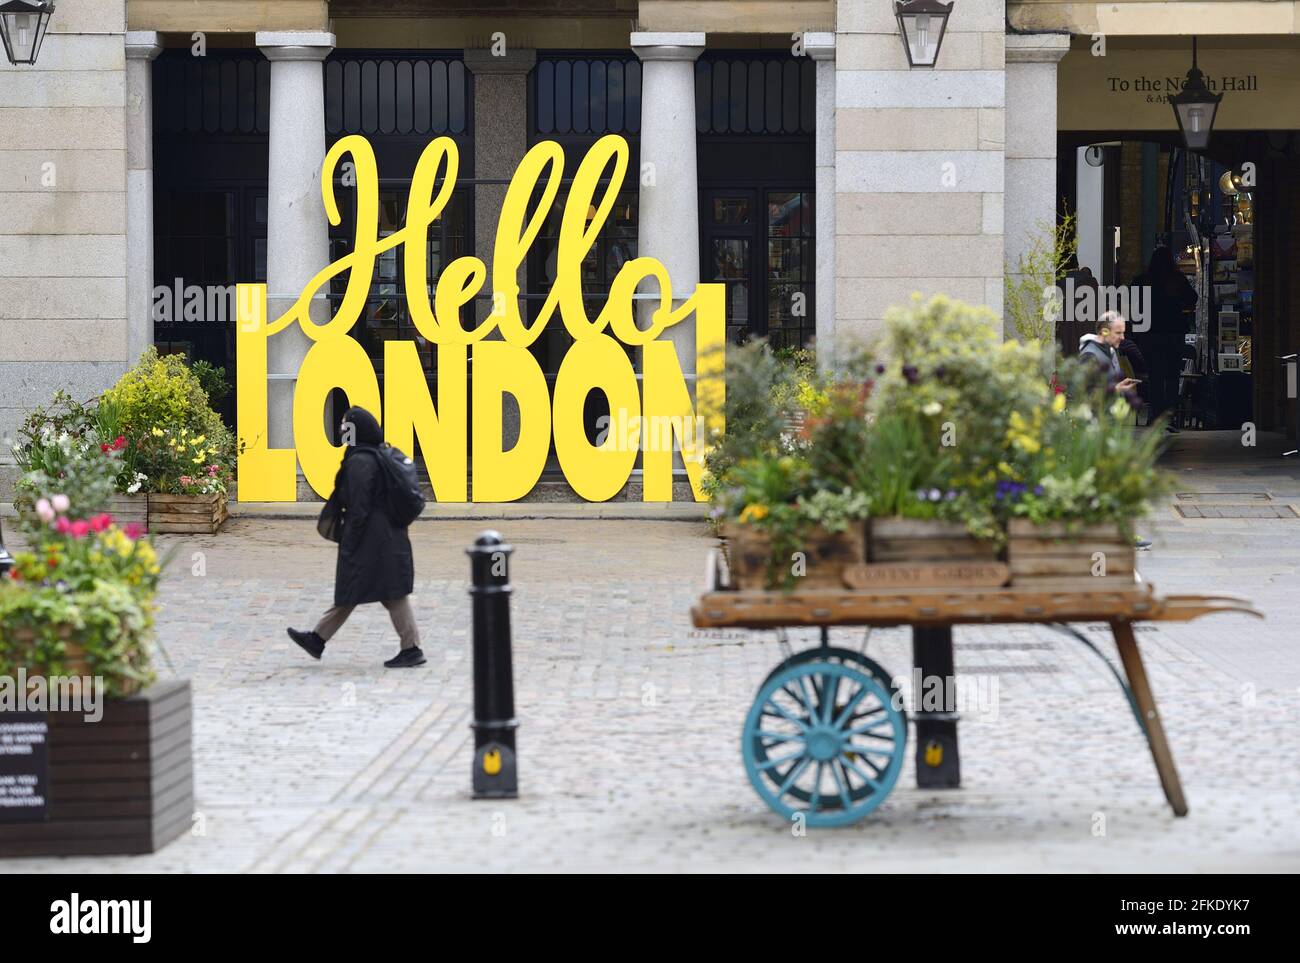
[[936, 403], [112, 772], [786, 533], [178, 442], [66, 437], [1077, 477]]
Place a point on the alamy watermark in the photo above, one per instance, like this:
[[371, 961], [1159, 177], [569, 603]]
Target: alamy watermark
[[623, 431], [56, 693], [972, 694], [1086, 303]]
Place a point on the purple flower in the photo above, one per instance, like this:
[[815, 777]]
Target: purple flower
[[951, 495], [910, 373], [1038, 489], [880, 369]]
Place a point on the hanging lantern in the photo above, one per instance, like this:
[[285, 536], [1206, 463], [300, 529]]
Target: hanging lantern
[[1195, 107], [922, 23], [22, 28]]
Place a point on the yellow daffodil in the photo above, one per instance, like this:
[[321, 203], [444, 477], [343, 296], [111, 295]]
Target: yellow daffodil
[[753, 513], [157, 432]]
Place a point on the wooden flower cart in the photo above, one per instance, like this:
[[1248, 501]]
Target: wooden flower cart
[[826, 734]]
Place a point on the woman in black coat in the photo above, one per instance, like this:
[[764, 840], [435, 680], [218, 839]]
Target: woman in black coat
[[374, 563]]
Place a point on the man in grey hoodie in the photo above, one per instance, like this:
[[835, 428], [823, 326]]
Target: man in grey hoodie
[[1100, 348]]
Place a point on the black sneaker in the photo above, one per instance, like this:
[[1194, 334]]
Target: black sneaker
[[407, 658], [310, 642]]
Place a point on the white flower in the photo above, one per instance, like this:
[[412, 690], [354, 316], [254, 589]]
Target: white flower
[[132, 488], [933, 408], [44, 510], [60, 502]]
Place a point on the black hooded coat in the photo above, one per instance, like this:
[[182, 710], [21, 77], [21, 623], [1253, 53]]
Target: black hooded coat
[[375, 562]]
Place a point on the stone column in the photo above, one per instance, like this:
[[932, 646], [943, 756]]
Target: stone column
[[500, 142], [141, 49], [297, 230], [668, 219], [821, 47], [918, 163], [1030, 192]]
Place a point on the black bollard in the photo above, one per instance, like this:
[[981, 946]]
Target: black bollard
[[495, 775], [938, 765]]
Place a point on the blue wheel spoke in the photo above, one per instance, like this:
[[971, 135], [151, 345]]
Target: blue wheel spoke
[[829, 690], [803, 726], [778, 736], [769, 763], [842, 783], [872, 750], [865, 729], [809, 702], [792, 775], [817, 789], [875, 786], [843, 717]]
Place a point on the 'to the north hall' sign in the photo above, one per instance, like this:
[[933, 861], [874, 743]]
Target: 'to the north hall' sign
[[597, 359]]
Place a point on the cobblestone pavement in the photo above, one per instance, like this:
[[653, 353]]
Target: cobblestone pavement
[[631, 720]]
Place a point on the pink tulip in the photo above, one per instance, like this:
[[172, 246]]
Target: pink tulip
[[62, 525], [44, 510], [132, 530], [80, 528], [60, 503], [101, 522]]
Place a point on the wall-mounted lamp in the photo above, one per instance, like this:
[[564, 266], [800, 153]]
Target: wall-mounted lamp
[[922, 23]]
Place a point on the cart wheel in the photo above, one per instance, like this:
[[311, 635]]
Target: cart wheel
[[823, 739], [850, 657]]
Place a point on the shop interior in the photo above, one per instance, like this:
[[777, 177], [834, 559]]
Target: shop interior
[[1202, 243]]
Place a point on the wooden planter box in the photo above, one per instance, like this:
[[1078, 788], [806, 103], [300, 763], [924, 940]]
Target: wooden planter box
[[180, 514], [827, 557], [77, 663], [122, 785], [127, 509], [1063, 557], [920, 552]]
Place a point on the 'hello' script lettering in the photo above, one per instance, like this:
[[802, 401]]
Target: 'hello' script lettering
[[596, 361]]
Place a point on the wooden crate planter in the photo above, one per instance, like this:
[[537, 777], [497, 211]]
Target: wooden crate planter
[[1058, 556], [122, 785], [826, 557], [76, 663], [129, 509], [185, 514], [920, 552]]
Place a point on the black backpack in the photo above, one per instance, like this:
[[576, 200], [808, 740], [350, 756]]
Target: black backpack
[[405, 500], [402, 488]]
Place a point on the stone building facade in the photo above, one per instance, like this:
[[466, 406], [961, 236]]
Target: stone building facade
[[796, 152]]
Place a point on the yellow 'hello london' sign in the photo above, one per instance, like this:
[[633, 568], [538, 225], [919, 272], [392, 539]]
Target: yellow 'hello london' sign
[[596, 360]]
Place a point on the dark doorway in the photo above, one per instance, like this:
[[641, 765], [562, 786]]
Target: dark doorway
[[755, 114]]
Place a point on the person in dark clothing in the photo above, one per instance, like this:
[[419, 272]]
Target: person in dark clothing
[[1073, 323], [1172, 295], [374, 561]]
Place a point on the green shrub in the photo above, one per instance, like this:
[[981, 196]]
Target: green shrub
[[162, 394]]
